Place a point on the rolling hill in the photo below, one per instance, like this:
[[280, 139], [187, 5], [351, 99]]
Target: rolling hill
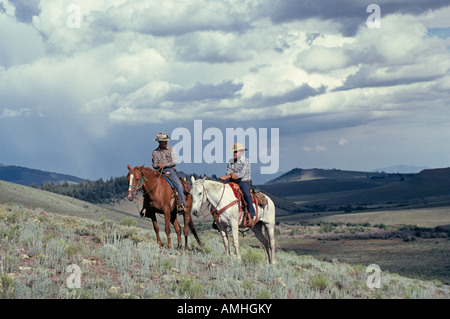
[[331, 189], [429, 184], [54, 203], [301, 175], [28, 176]]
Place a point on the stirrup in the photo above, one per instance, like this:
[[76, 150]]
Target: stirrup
[[250, 221], [181, 209]]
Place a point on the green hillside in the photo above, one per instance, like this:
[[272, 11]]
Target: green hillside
[[119, 261], [35, 198], [29, 176]]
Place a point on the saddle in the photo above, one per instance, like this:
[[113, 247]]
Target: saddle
[[258, 198]]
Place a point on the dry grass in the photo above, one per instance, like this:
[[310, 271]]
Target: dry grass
[[423, 217], [120, 261]]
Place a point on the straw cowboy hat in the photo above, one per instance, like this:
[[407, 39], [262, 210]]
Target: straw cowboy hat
[[162, 137], [238, 147]]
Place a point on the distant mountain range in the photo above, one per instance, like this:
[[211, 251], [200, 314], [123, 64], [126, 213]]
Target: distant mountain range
[[299, 174], [402, 169], [301, 190], [28, 176], [335, 188]]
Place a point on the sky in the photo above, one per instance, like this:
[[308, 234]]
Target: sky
[[85, 85]]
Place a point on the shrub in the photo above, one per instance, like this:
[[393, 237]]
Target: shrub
[[325, 228], [129, 221], [190, 287], [251, 257], [319, 282]]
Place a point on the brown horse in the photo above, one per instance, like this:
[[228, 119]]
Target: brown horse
[[159, 197]]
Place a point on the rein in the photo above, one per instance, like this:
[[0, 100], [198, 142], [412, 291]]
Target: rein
[[215, 211], [156, 183]]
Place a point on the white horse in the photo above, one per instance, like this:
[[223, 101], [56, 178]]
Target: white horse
[[208, 194]]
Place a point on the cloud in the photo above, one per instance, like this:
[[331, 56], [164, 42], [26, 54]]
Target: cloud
[[200, 92], [348, 15], [20, 43], [311, 68], [174, 18], [14, 113], [299, 93], [320, 59], [211, 47], [25, 10], [316, 148]]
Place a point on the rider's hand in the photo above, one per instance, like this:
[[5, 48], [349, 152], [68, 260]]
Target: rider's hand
[[161, 165], [224, 177]]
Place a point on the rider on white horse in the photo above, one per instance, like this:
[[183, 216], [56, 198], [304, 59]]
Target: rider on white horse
[[239, 172]]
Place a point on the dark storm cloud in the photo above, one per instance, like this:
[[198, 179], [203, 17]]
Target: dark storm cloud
[[300, 93], [26, 9], [366, 78], [348, 14]]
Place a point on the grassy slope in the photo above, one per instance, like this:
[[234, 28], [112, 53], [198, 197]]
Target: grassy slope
[[124, 262], [55, 203], [37, 246]]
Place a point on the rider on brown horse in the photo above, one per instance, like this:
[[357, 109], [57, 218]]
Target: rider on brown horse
[[164, 157]]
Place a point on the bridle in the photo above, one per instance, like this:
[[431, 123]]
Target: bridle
[[214, 211], [140, 186], [144, 179]]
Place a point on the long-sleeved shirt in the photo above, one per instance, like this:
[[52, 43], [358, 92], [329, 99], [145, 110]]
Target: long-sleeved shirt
[[241, 167], [166, 156]]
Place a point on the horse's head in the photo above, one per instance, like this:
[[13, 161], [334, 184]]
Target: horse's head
[[135, 180], [199, 198]]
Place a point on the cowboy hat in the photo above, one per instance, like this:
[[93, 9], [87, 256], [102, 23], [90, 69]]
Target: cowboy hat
[[238, 147], [162, 137]]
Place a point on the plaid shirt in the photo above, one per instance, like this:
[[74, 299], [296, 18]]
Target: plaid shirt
[[167, 156], [241, 167]]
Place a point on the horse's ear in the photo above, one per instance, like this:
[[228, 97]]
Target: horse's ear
[[204, 178], [129, 168], [141, 167], [192, 180]]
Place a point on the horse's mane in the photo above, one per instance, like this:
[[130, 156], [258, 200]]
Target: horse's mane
[[215, 184], [151, 171]]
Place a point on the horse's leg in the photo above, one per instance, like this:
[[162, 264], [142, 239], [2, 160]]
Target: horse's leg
[[225, 242], [235, 232], [187, 220], [271, 234], [155, 228], [224, 233], [176, 225], [167, 219], [258, 231]]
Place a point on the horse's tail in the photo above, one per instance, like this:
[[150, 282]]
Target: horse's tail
[[194, 232]]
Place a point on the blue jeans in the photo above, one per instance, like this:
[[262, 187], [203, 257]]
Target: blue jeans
[[176, 181], [246, 188]]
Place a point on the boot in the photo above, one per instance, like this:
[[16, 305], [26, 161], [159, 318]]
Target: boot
[[181, 209]]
